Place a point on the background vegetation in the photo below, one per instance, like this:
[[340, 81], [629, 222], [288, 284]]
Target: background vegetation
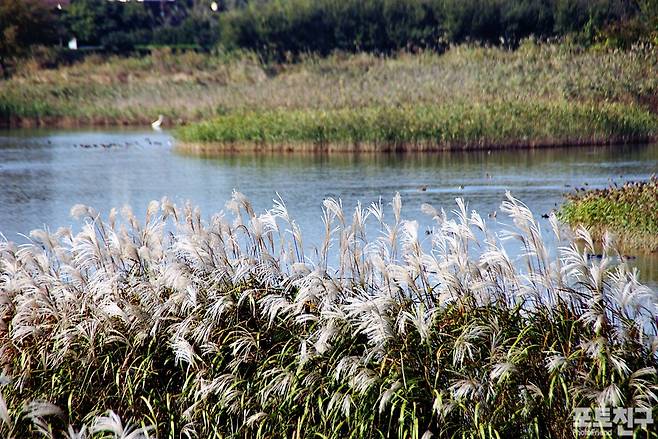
[[23, 24], [122, 26], [267, 54], [280, 29], [190, 86]]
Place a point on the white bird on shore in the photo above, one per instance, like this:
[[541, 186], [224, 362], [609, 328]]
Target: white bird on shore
[[156, 125]]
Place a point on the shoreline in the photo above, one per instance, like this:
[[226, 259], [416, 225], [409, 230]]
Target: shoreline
[[211, 148], [64, 122], [71, 122], [628, 242], [365, 147]]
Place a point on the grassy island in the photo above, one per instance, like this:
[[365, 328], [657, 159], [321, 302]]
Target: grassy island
[[629, 211], [457, 125]]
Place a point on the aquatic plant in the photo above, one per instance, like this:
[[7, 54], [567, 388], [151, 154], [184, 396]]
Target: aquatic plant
[[629, 211], [232, 327], [459, 125]]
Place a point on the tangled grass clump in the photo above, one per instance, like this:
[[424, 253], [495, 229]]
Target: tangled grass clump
[[229, 328], [629, 211]]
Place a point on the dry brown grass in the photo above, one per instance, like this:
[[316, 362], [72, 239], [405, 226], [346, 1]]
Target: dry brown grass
[[191, 87]]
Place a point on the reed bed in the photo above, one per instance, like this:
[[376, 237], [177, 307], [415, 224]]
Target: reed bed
[[232, 327], [192, 87], [424, 128], [629, 211]]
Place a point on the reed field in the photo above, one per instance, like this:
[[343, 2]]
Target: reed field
[[173, 326], [193, 87], [457, 125], [629, 211]]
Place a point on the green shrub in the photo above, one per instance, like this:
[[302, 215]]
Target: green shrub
[[629, 211], [297, 26], [23, 24], [278, 28]]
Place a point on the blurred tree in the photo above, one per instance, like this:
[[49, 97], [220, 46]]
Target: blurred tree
[[119, 26], [24, 23], [92, 21], [285, 28], [279, 28], [649, 13]]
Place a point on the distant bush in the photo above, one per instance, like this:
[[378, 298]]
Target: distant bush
[[279, 28], [200, 31], [119, 27], [624, 33], [283, 29], [95, 23], [23, 24], [118, 42], [296, 26]]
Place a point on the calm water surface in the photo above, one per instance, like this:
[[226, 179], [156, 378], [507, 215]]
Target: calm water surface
[[43, 173]]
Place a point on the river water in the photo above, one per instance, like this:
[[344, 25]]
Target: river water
[[43, 173]]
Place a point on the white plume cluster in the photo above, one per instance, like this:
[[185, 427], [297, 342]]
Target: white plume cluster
[[232, 324]]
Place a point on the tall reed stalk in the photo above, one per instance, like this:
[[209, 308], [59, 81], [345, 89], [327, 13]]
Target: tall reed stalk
[[231, 327]]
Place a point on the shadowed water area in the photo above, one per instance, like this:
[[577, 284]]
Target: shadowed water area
[[44, 173]]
